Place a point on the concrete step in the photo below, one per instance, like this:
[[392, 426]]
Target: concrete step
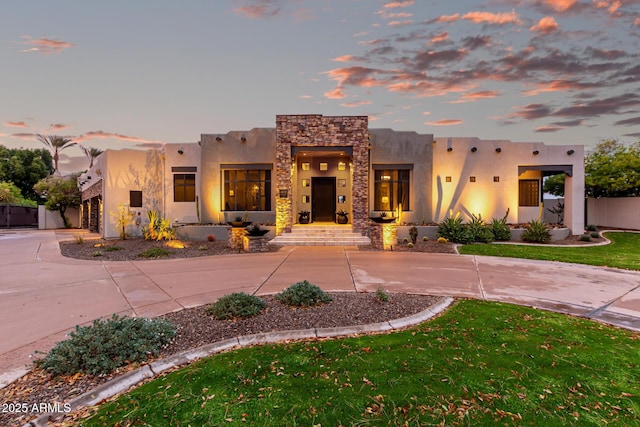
[[320, 235]]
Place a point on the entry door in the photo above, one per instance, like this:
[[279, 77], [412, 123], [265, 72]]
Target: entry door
[[323, 199]]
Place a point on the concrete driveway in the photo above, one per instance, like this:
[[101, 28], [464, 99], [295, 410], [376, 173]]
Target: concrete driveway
[[44, 295]]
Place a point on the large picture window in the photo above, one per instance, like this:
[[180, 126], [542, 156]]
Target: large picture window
[[529, 192], [391, 190], [247, 190], [184, 187]]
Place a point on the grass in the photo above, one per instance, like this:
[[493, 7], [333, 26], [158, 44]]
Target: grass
[[480, 364], [155, 253], [623, 252]]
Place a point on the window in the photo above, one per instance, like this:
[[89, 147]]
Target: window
[[135, 199], [529, 192], [247, 190], [391, 190], [184, 187]]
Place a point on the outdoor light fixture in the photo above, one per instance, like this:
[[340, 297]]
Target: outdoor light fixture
[[474, 149], [570, 152], [300, 127], [218, 138], [243, 138], [180, 151], [536, 152], [89, 177], [498, 150], [450, 149], [342, 126]]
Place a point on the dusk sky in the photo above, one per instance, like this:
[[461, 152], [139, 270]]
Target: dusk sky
[[131, 74]]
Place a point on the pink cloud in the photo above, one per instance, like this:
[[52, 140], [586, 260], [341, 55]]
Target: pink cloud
[[445, 122], [492, 18], [344, 58], [637, 21], [335, 93], [105, 135], [439, 38], [546, 25], [548, 129], [400, 23], [560, 5], [257, 10], [475, 96], [554, 86], [45, 45], [58, 126], [611, 6], [398, 4], [448, 18], [356, 104], [23, 135], [16, 124]]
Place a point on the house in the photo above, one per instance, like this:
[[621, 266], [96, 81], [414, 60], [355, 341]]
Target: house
[[327, 163]]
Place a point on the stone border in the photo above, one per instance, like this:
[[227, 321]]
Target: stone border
[[123, 383]]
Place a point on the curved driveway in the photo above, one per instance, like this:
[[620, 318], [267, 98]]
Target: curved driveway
[[44, 295]]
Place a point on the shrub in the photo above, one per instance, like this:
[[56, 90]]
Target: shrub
[[405, 240], [211, 238], [442, 240], [536, 232], [113, 248], [452, 229], [592, 227], [381, 295], [303, 294], [409, 245], [159, 228], [478, 230], [237, 305], [413, 233], [500, 229], [78, 238], [96, 254], [155, 253], [595, 234], [425, 239], [585, 238], [108, 344]]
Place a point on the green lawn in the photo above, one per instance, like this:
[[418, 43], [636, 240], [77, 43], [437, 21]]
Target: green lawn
[[623, 252], [480, 364]]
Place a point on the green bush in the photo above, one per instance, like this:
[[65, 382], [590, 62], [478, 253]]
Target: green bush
[[303, 294], [453, 229], [381, 295], [108, 344], [413, 233], [595, 234], [155, 253], [585, 238], [478, 230], [500, 229], [237, 305], [591, 227], [536, 232], [113, 248]]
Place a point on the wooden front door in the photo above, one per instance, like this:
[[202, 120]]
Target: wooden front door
[[323, 199]]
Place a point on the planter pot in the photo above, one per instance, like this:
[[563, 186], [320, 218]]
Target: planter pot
[[342, 219], [382, 219], [239, 223], [303, 219]]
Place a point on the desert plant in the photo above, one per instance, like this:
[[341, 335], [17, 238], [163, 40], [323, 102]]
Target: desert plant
[[113, 248], [442, 240], [96, 254], [478, 230], [123, 218], [413, 233], [108, 344], [159, 228], [595, 234], [453, 229], [155, 253], [585, 238], [425, 239], [237, 305], [591, 227], [410, 245], [536, 232], [500, 229], [381, 295], [303, 294], [79, 239], [211, 238]]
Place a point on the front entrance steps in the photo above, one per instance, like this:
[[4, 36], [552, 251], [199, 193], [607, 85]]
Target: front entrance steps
[[320, 235]]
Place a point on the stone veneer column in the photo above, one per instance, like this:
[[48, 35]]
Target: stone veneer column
[[315, 130]]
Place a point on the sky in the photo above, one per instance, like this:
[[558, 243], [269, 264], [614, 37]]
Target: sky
[[135, 74]]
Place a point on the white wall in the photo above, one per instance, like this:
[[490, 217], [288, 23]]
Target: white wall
[[618, 212], [48, 220]]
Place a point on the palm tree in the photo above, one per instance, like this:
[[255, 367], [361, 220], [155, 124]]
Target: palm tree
[[91, 153], [57, 144]]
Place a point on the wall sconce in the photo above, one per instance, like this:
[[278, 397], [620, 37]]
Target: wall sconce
[[89, 177], [570, 152], [498, 150], [301, 127], [472, 179], [218, 138], [474, 149], [180, 151], [450, 149], [536, 152], [342, 126], [243, 138]]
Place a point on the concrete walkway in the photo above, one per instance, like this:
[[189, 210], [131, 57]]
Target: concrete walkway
[[44, 295]]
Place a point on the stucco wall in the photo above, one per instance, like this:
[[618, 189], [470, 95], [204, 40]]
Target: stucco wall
[[405, 148], [181, 212], [617, 212], [259, 147], [48, 220]]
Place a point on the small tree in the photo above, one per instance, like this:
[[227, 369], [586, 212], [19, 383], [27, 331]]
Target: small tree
[[123, 217], [61, 193], [613, 170], [9, 193]]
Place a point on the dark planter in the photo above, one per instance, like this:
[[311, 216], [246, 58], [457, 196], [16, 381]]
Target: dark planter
[[382, 219], [342, 219], [239, 223], [256, 233], [303, 219]]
